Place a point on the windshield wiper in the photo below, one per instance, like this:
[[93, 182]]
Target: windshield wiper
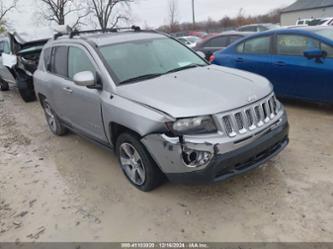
[[193, 65], [141, 77]]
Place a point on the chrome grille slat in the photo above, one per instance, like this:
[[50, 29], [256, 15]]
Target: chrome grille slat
[[250, 118]]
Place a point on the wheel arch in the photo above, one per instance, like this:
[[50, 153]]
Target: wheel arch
[[116, 129]]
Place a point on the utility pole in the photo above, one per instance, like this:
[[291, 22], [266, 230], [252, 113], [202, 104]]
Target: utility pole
[[193, 13]]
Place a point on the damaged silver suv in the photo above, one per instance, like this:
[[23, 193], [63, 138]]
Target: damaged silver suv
[[161, 107]]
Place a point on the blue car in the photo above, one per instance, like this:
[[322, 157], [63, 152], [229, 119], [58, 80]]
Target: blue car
[[298, 62]]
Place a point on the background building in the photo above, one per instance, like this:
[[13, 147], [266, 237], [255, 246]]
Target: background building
[[302, 9]]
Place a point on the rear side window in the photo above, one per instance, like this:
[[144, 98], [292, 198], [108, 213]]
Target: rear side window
[[260, 45], [295, 44], [78, 61], [234, 38], [47, 57], [249, 29], [262, 28], [59, 61], [4, 46], [240, 48], [221, 41]]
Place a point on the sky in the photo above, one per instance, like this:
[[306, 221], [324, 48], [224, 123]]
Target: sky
[[154, 13]]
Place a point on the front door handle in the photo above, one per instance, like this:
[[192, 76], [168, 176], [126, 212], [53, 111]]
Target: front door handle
[[68, 90]]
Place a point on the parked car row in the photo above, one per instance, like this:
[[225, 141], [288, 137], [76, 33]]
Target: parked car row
[[166, 111]]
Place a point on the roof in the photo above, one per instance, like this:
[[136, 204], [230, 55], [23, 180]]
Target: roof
[[102, 39], [308, 4]]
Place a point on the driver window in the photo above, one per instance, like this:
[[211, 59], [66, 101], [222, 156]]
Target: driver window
[[4, 46], [295, 44], [78, 61]]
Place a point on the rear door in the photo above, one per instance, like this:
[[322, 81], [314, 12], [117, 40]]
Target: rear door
[[254, 55]]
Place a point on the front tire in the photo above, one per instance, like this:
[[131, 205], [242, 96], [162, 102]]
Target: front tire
[[137, 164], [26, 89], [4, 86], [53, 121]]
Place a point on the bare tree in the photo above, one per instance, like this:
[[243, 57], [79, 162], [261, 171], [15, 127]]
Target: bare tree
[[106, 12], [5, 9], [58, 10], [172, 8]]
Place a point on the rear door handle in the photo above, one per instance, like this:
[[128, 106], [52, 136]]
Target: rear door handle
[[280, 63], [240, 60], [68, 90]]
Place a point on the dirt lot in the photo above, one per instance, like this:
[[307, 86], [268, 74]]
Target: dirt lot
[[68, 189]]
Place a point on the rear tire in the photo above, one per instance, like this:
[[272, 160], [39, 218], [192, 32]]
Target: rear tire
[[26, 88], [53, 121], [4, 86], [137, 164]]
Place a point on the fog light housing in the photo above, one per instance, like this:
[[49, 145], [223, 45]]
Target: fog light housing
[[194, 159]]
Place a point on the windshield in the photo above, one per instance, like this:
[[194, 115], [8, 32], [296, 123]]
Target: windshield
[[317, 22], [328, 33], [134, 59]]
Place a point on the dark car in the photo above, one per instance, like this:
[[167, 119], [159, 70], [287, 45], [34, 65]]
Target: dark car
[[218, 42], [299, 62]]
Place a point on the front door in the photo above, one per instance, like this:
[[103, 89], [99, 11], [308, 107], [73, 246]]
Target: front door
[[298, 77]]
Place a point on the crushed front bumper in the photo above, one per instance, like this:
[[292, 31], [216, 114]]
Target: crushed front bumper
[[225, 163]]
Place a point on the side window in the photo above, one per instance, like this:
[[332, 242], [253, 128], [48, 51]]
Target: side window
[[260, 45], [328, 49], [78, 61], [240, 48], [295, 44], [5, 47], [249, 29], [59, 61], [262, 28], [221, 41], [234, 38], [2, 46], [47, 57]]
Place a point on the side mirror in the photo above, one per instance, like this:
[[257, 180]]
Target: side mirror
[[315, 54], [201, 54], [85, 78]]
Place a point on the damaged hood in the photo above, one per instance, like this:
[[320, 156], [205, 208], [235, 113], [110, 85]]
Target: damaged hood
[[32, 35], [198, 91]]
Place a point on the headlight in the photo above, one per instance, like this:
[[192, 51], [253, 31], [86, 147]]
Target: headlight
[[193, 126]]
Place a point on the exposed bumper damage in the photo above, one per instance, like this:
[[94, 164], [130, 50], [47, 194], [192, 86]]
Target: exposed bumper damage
[[215, 158]]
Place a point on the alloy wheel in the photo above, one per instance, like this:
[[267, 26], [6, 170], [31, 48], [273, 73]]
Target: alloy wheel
[[132, 164]]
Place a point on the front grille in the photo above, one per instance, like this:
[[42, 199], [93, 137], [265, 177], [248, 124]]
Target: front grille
[[250, 118]]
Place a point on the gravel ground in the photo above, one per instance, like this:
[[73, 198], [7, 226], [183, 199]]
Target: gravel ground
[[68, 189]]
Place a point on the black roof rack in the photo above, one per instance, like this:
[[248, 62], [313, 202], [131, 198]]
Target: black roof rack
[[113, 30]]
